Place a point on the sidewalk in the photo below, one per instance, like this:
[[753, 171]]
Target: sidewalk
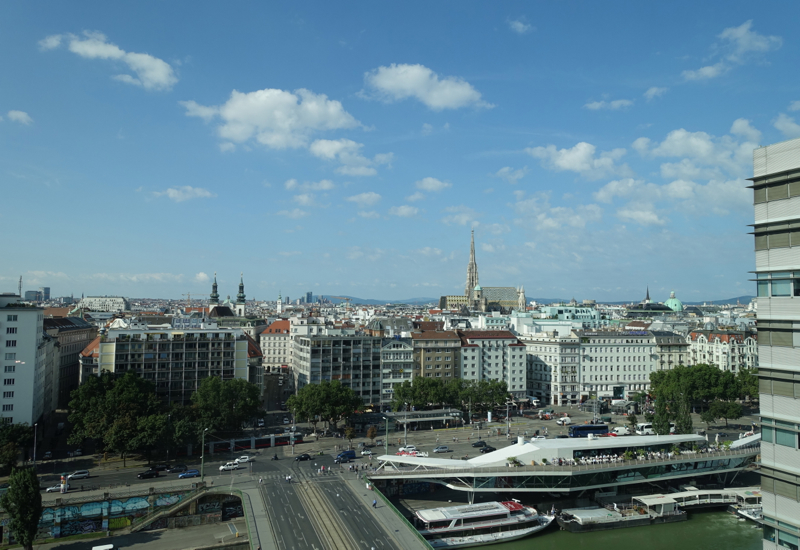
[[260, 526], [404, 535]]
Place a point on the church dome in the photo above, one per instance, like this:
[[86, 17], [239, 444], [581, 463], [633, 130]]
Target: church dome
[[673, 303], [478, 287]]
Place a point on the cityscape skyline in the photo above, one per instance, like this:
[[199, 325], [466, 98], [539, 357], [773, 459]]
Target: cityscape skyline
[[351, 152]]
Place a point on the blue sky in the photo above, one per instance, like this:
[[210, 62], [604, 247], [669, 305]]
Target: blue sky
[[348, 149]]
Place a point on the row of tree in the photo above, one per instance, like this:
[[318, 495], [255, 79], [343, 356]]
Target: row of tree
[[714, 392], [324, 402], [479, 395], [125, 414]]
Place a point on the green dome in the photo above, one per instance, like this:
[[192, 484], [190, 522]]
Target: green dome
[[673, 303]]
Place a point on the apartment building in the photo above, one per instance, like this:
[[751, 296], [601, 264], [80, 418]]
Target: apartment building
[[729, 350], [323, 353], [672, 349], [617, 364], [176, 360], [397, 366], [553, 367], [436, 354], [23, 350], [72, 335], [276, 345], [494, 355], [776, 198], [105, 303]]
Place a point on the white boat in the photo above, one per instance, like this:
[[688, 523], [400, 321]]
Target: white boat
[[479, 524]]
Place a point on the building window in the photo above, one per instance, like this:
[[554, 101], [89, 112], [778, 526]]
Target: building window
[[10, 368], [8, 408], [11, 318], [11, 356], [11, 343], [8, 381], [11, 330], [8, 394], [7, 420]]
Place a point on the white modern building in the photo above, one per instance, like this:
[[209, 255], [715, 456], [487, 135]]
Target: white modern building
[[105, 303], [24, 360], [494, 355], [776, 198], [554, 369], [617, 364], [276, 345], [397, 366]]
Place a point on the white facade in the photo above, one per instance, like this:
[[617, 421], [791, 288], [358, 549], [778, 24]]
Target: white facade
[[726, 350], [617, 364], [23, 354], [554, 368], [276, 345], [397, 366], [105, 303], [494, 355]]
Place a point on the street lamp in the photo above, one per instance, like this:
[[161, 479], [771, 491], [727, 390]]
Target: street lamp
[[203, 456], [405, 425], [386, 439]]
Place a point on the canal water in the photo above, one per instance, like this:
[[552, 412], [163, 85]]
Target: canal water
[[706, 530]]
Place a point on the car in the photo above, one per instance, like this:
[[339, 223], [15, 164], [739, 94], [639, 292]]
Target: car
[[408, 449], [77, 452], [302, 457], [564, 421], [260, 422], [229, 466], [79, 474], [479, 443], [177, 468], [441, 449], [366, 452], [55, 489], [148, 474], [285, 419], [341, 460], [722, 434], [488, 449], [189, 473], [242, 459], [47, 456], [160, 467], [538, 438]]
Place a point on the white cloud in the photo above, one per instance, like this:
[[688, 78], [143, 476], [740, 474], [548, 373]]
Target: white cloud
[[347, 152], [321, 185], [304, 199], [277, 119], [654, 92], [432, 185], [403, 211], [363, 200], [736, 46], [201, 277], [510, 175], [226, 147], [787, 126], [20, 116], [185, 193], [151, 73], [794, 106], [641, 213], [519, 26], [428, 251], [742, 127], [403, 81], [615, 105], [137, 277], [460, 215], [537, 212], [295, 214], [427, 129], [581, 159], [496, 228], [415, 197], [370, 214]]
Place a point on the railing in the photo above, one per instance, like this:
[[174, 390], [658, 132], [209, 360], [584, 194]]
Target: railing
[[401, 516], [566, 468], [143, 521]]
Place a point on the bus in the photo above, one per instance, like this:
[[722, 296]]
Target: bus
[[583, 430]]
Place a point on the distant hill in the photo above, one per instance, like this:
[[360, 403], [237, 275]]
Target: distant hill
[[373, 302], [744, 300]]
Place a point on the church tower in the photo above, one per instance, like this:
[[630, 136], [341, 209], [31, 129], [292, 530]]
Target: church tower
[[280, 304], [213, 298], [240, 301], [472, 269], [522, 305]]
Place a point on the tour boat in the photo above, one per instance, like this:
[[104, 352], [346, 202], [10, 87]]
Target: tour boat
[[479, 524]]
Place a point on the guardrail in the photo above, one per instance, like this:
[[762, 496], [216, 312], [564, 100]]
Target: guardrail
[[396, 511], [566, 468]]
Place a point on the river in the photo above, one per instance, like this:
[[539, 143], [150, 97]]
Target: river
[[706, 530]]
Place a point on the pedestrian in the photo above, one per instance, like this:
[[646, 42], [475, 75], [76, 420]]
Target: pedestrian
[[260, 480], [374, 503]]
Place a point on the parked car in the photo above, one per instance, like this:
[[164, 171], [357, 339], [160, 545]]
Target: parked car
[[620, 430], [242, 459], [366, 452], [488, 449], [160, 467], [285, 419], [55, 489], [148, 474], [79, 474], [407, 448], [260, 422], [47, 456], [538, 438], [302, 457], [177, 468], [564, 421], [228, 466], [479, 443], [441, 449], [77, 452], [189, 473]]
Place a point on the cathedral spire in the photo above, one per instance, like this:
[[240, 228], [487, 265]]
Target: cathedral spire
[[214, 297], [647, 298], [240, 297], [472, 269]]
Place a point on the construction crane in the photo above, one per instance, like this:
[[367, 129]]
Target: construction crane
[[189, 298]]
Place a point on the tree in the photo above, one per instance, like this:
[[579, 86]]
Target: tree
[[225, 405], [632, 420], [729, 410], [13, 437], [330, 401], [661, 417], [747, 380], [308, 404], [350, 435], [372, 433], [23, 504]]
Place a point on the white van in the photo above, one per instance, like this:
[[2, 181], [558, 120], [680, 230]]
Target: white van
[[646, 428], [534, 401], [621, 430]]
